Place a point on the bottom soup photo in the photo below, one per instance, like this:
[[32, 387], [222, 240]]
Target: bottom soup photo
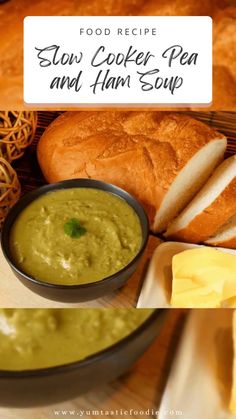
[[117, 362]]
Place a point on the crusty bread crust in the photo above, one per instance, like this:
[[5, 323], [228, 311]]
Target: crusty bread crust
[[142, 152], [211, 219], [182, 7], [224, 46]]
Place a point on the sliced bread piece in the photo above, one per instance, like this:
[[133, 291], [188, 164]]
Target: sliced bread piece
[[225, 236], [212, 207]]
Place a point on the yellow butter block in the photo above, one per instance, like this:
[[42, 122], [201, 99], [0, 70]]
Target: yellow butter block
[[229, 303], [203, 277]]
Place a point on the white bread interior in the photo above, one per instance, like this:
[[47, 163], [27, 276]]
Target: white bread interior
[[227, 233], [215, 186], [189, 181]]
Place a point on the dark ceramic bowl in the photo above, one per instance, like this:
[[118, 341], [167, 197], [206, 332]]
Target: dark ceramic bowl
[[55, 384], [83, 292]]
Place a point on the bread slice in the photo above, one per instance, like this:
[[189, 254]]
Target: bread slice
[[162, 158], [225, 236], [212, 207]]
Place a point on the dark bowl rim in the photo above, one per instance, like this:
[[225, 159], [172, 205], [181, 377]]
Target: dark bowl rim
[[57, 186], [97, 356]]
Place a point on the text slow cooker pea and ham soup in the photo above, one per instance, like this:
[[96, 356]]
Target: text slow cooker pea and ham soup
[[75, 236], [52, 55], [30, 338]]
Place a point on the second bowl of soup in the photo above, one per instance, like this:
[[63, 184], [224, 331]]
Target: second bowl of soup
[[47, 356]]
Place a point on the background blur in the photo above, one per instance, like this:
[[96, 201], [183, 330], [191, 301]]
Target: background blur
[[223, 12]]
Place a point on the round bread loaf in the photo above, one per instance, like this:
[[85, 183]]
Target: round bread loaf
[[162, 158]]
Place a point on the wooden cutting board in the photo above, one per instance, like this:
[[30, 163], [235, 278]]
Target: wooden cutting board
[[140, 389], [14, 294]]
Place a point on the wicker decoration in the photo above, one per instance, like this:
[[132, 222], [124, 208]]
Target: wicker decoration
[[9, 188], [17, 131]]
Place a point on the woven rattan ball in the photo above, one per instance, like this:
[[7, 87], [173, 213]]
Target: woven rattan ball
[[9, 188], [17, 131]]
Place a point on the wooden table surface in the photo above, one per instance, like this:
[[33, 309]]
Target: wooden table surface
[[140, 389], [14, 294]]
